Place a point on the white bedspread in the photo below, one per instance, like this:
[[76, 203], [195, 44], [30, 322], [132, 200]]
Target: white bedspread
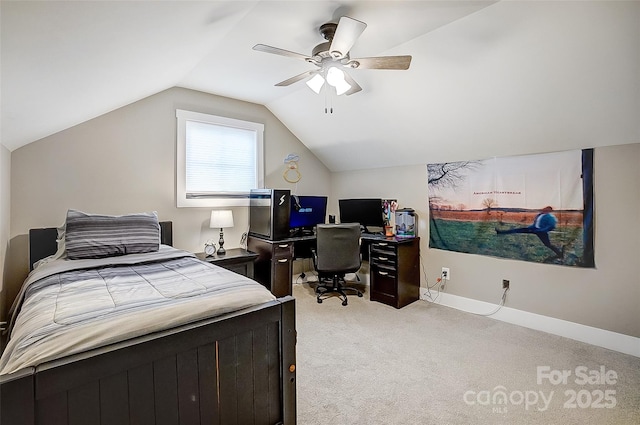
[[70, 306]]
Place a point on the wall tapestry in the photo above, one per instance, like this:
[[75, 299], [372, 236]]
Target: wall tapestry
[[535, 208]]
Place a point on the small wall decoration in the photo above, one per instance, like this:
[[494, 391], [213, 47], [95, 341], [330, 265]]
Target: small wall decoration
[[291, 172], [535, 208]]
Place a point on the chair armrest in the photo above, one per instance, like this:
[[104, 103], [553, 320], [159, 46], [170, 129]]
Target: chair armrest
[[314, 257]]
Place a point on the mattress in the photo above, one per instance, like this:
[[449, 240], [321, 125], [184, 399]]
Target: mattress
[[70, 306]]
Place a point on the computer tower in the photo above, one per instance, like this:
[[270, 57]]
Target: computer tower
[[269, 213]]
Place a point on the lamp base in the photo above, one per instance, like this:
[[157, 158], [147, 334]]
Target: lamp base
[[221, 250]]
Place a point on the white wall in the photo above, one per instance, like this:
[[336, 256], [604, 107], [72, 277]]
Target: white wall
[[606, 297], [5, 185], [5, 193]]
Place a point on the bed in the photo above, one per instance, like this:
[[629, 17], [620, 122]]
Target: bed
[[175, 350]]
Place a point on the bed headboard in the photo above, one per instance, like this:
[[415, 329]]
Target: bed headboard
[[42, 242]]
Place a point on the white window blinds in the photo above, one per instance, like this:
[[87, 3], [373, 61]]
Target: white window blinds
[[219, 159]]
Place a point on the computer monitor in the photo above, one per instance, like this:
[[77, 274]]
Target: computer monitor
[[306, 212], [367, 212]]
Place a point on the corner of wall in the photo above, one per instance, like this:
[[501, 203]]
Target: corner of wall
[[5, 208]]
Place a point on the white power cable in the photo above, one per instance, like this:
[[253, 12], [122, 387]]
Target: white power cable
[[431, 299], [502, 301]]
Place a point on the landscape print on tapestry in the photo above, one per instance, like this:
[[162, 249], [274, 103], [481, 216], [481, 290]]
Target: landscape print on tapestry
[[536, 208]]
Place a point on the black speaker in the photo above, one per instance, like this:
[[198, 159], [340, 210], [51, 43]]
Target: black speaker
[[332, 219]]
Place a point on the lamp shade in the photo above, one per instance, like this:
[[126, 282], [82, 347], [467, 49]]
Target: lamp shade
[[221, 218]]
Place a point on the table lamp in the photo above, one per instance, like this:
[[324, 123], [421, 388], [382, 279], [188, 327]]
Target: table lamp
[[221, 219]]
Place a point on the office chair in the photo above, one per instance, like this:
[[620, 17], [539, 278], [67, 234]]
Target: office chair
[[337, 253]]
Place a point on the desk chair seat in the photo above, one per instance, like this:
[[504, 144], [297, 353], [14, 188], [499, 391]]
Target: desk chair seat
[[337, 253]]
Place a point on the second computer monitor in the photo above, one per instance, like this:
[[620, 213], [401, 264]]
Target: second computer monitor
[[366, 211]]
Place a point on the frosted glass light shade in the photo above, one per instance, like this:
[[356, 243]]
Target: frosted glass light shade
[[335, 77], [316, 83]]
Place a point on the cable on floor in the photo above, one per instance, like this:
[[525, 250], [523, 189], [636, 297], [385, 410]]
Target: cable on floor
[[431, 299]]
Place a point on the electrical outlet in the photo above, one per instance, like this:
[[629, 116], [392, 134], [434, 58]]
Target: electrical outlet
[[505, 284], [446, 273]]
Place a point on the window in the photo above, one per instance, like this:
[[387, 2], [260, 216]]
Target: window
[[219, 160]]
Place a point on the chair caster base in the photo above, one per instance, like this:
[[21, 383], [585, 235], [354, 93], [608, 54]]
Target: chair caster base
[[325, 289]]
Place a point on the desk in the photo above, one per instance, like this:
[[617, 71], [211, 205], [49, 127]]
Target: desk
[[395, 278], [394, 265], [274, 265]]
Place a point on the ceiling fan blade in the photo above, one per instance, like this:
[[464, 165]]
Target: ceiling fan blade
[[355, 87], [297, 78], [381, 62], [347, 33], [281, 52]]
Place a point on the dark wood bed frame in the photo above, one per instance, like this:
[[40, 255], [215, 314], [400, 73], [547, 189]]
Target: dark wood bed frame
[[238, 368]]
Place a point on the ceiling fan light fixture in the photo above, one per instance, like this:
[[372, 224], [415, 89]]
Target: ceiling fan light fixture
[[335, 52], [316, 83], [342, 88], [335, 78]]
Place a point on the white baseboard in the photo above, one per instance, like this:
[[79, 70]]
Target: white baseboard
[[614, 341]]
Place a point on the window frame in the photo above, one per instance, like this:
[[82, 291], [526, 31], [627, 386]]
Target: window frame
[[215, 199]]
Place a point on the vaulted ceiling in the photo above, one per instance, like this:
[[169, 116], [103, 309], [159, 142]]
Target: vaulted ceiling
[[487, 78]]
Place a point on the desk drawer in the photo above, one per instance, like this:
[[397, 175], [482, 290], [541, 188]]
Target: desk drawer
[[383, 280], [283, 249], [385, 259], [383, 246], [383, 254]]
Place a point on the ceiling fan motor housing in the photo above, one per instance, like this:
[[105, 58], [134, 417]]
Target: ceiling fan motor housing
[[321, 50], [328, 30]]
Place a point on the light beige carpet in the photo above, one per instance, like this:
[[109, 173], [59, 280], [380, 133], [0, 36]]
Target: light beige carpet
[[368, 363]]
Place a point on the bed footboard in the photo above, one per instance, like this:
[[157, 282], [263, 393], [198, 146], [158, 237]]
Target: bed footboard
[[235, 369]]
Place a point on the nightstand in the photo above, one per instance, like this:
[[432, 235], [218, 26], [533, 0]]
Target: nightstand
[[236, 259]]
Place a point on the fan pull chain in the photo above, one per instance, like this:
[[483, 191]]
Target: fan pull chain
[[328, 100]]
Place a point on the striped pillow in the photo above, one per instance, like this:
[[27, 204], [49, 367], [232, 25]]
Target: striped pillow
[[97, 236]]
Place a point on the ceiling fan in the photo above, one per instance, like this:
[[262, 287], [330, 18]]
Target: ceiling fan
[[332, 56]]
